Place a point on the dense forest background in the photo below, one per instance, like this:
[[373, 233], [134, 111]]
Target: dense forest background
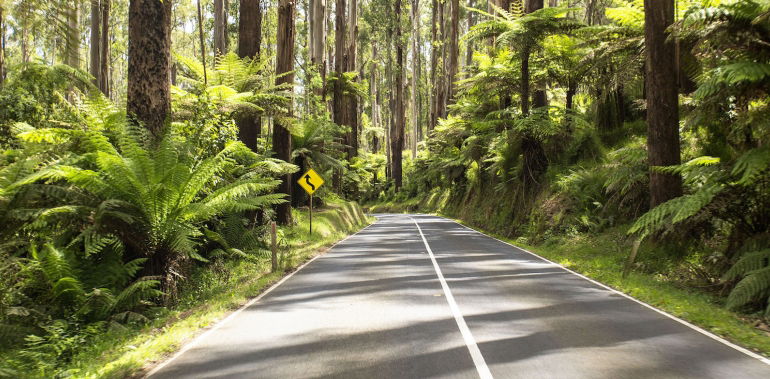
[[145, 140]]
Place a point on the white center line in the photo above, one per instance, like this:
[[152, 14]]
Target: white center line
[[473, 348]]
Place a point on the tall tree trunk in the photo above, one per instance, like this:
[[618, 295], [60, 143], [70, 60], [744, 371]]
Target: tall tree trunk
[[340, 35], [439, 89], [374, 98], [454, 50], [352, 100], [415, 75], [72, 45], [530, 6], [249, 29], [284, 64], [95, 68], [2, 45], [662, 101], [318, 35], [329, 60], [203, 44], [25, 20], [104, 60], [490, 42], [535, 162], [220, 27], [148, 95], [433, 116], [524, 80], [471, 20], [149, 58], [388, 122], [397, 137], [441, 96], [249, 40], [298, 194]]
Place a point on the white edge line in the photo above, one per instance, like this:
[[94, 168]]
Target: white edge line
[[470, 342], [251, 302], [677, 319]]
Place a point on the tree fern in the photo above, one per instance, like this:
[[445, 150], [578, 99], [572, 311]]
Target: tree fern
[[748, 262], [751, 164], [154, 195], [631, 15], [674, 211], [755, 286], [236, 86], [62, 280], [141, 290]]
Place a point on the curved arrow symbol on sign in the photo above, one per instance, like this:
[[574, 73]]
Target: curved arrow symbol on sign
[[307, 180]]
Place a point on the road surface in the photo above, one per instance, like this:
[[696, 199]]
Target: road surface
[[417, 296]]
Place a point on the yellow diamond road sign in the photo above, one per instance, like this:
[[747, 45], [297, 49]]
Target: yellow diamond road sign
[[310, 181]]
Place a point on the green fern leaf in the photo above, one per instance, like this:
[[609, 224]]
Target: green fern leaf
[[755, 286], [749, 165]]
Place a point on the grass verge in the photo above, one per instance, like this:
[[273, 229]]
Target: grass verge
[[211, 294], [601, 256]]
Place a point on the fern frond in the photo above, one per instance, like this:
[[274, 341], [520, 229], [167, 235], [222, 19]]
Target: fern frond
[[748, 262], [749, 165], [674, 211], [145, 288], [753, 287]]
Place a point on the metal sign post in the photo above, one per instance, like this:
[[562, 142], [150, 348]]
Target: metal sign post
[[310, 181], [311, 213]]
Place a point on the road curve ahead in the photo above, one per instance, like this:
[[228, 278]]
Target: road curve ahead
[[416, 296]]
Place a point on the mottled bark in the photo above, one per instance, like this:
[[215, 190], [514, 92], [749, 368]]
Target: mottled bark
[[532, 5], [471, 21], [220, 27], [340, 64], [433, 115], [72, 43], [318, 34], [95, 53], [203, 44], [454, 49], [149, 58], [104, 60], [249, 40], [415, 75], [284, 64], [397, 135], [2, 45], [249, 29], [389, 79], [374, 96], [662, 101], [352, 100], [443, 89]]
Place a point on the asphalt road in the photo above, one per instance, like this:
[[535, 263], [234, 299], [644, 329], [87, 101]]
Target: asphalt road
[[390, 303]]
